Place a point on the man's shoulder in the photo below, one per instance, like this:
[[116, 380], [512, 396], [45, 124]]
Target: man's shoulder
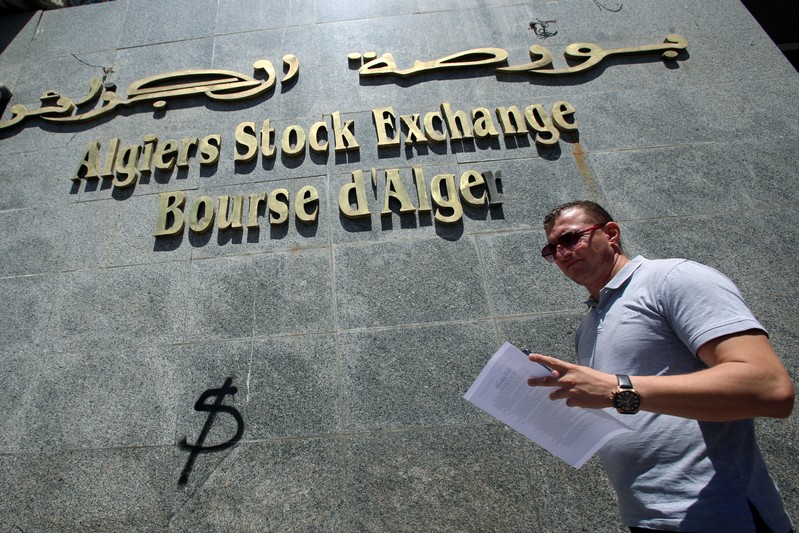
[[661, 264], [670, 278], [673, 265], [678, 274], [647, 270]]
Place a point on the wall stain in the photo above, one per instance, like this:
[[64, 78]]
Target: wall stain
[[578, 153]]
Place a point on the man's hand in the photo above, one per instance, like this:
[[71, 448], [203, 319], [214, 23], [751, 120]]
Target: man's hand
[[579, 385]]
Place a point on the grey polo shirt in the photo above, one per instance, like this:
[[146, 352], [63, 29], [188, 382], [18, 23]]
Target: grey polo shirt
[[671, 472]]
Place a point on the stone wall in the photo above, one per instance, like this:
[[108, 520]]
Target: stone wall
[[351, 340]]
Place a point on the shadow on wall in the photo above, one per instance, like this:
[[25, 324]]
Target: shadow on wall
[[778, 18], [11, 25]]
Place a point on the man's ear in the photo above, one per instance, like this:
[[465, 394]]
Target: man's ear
[[613, 231]]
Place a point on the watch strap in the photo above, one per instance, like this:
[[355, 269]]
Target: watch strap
[[624, 381]]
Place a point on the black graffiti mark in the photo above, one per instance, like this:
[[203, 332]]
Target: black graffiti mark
[[212, 410], [540, 28], [106, 70], [601, 7]]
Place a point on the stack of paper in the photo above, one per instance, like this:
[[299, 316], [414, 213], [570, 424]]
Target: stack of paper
[[573, 434]]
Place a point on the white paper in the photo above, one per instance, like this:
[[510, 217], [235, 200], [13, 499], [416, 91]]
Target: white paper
[[573, 434]]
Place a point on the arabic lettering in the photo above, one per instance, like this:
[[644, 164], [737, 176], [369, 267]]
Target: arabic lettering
[[470, 58], [221, 85], [541, 59], [589, 54], [592, 54], [225, 85]]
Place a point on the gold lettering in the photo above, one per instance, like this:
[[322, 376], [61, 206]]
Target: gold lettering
[[433, 133], [385, 120], [170, 214], [457, 122], [471, 180], [561, 113], [87, 168], [234, 222], [277, 207], [344, 135], [267, 136], [421, 189], [209, 149], [482, 123], [511, 120], [448, 200], [246, 139], [165, 155], [317, 144], [146, 161], [344, 202], [414, 132], [185, 147], [205, 205], [306, 195], [110, 159], [296, 147], [539, 120], [395, 189], [256, 200], [127, 160]]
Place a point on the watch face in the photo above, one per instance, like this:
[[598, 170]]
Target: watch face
[[627, 401]]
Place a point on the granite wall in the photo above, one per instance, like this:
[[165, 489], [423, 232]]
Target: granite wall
[[350, 341]]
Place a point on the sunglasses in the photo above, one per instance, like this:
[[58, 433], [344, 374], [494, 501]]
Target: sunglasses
[[567, 241]]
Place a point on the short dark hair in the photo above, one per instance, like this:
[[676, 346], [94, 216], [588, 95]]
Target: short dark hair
[[595, 212]]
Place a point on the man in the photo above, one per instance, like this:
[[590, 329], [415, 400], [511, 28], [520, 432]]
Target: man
[[673, 347]]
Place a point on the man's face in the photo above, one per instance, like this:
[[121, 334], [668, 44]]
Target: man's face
[[590, 263]]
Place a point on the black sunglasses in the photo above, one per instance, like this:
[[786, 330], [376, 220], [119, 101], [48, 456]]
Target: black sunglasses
[[567, 241]]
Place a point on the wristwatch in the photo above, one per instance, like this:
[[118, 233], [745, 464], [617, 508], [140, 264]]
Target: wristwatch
[[626, 399]]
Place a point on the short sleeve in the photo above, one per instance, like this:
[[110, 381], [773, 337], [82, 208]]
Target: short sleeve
[[703, 304]]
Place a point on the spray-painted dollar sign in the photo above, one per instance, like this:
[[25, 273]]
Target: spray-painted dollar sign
[[212, 410]]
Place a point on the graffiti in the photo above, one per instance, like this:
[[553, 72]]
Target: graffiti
[[212, 409], [601, 7], [540, 27]]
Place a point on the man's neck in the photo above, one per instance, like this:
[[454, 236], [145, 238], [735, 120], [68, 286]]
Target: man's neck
[[619, 260]]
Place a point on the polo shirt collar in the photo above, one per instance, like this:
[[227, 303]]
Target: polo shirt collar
[[621, 277]]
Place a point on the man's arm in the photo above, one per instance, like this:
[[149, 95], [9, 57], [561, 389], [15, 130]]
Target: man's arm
[[745, 379]]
